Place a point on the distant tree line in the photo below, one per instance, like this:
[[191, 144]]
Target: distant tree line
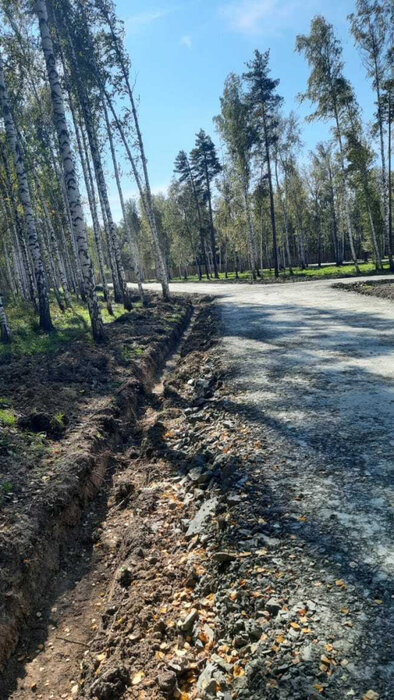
[[69, 122], [262, 204], [66, 92]]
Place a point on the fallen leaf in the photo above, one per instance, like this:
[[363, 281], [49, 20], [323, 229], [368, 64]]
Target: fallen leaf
[[238, 671], [137, 678]]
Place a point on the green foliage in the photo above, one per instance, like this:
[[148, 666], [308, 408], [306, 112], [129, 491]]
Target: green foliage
[[73, 324], [7, 417], [324, 272]]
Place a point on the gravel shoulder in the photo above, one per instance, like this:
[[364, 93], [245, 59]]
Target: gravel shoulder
[[312, 372]]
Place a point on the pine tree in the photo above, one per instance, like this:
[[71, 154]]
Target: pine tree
[[239, 135], [205, 165], [264, 103], [184, 170]]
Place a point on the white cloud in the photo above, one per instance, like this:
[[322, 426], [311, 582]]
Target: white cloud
[[136, 22], [186, 41], [253, 17]]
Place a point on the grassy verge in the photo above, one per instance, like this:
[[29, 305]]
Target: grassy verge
[[326, 272], [72, 324]]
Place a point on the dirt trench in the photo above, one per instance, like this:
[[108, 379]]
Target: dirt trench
[[47, 547]]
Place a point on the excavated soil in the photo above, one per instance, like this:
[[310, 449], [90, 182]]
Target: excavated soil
[[384, 289], [72, 412]]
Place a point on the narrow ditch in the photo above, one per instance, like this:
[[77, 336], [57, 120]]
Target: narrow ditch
[[54, 639]]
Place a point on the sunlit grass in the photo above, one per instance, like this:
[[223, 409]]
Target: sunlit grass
[[7, 417], [70, 325], [324, 272]]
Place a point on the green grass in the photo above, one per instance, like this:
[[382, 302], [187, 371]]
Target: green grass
[[330, 271], [73, 324], [7, 417], [341, 271]]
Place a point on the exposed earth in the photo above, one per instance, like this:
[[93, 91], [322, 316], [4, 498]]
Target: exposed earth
[[246, 547]]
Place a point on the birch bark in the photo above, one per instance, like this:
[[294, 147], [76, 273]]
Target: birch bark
[[4, 329], [24, 194], [71, 182]]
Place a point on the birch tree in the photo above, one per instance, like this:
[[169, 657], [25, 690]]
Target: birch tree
[[370, 26], [239, 137], [25, 199], [329, 89], [71, 181]]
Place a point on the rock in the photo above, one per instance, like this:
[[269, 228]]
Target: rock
[[206, 684], [371, 695], [273, 606], [198, 476], [74, 691], [224, 557], [209, 632], [196, 525], [270, 542], [306, 652], [167, 682], [186, 625], [253, 630], [240, 640], [224, 665]]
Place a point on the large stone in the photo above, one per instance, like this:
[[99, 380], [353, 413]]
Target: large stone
[[206, 684], [186, 625], [196, 525]]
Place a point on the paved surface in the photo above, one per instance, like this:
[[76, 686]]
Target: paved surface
[[313, 369]]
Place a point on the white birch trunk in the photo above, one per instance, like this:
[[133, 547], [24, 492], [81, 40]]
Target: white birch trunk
[[71, 181], [160, 259], [83, 155], [15, 288], [345, 195], [129, 232], [251, 236], [24, 195], [52, 242], [4, 329], [147, 204], [119, 280]]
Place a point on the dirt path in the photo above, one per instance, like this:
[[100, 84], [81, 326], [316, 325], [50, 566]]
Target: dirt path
[[313, 372], [253, 554]]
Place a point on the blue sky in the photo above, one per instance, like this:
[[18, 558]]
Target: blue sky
[[182, 51]]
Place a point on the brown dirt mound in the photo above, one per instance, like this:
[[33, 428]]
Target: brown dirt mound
[[384, 289]]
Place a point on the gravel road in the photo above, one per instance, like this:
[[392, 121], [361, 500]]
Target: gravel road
[[313, 370]]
